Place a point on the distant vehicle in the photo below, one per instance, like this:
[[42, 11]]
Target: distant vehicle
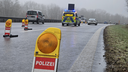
[[70, 17], [35, 16], [92, 21], [105, 22], [83, 19]]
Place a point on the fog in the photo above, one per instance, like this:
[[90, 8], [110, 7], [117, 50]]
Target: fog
[[14, 8], [110, 6]]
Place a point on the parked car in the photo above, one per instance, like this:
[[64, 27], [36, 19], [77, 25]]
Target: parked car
[[35, 16], [92, 21], [83, 19]]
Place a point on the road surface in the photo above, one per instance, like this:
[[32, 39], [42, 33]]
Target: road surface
[[16, 54]]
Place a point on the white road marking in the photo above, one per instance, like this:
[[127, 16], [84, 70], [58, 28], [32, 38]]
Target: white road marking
[[84, 61]]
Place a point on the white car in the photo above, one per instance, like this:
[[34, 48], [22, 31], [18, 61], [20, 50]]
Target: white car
[[92, 21], [83, 19]]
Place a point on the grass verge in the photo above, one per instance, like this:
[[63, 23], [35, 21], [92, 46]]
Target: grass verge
[[116, 46]]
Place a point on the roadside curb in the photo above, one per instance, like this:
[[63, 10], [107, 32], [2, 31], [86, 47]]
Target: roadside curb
[[85, 60]]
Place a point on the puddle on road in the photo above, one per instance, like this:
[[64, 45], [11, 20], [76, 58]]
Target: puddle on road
[[99, 63]]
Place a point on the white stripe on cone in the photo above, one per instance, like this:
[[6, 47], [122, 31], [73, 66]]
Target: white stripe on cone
[[26, 26], [7, 31], [22, 24]]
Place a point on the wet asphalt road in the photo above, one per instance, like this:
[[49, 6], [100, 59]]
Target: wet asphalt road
[[16, 54]]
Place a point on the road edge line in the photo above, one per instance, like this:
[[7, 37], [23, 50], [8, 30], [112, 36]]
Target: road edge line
[[84, 62]]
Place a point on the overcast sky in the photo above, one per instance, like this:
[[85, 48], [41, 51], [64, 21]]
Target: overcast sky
[[110, 6]]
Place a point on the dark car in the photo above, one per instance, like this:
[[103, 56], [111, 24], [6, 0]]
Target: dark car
[[105, 22]]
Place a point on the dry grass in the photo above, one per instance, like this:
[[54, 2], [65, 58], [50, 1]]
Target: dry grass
[[116, 46]]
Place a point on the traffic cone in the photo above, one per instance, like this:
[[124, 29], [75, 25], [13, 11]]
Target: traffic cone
[[8, 25], [26, 25], [23, 23]]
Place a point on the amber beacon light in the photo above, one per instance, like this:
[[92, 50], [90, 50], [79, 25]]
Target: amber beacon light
[[47, 43]]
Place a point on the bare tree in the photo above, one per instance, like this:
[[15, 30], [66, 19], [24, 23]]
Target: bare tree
[[127, 3], [14, 9]]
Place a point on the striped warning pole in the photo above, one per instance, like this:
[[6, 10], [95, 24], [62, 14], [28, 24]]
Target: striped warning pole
[[26, 25], [23, 22], [7, 30], [8, 25]]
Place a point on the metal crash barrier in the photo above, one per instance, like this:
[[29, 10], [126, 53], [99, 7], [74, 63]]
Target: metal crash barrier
[[16, 19]]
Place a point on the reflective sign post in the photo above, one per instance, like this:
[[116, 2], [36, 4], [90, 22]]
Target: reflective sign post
[[8, 26], [23, 24], [26, 25], [46, 52]]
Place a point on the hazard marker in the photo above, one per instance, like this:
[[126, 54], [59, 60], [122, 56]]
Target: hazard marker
[[46, 54], [23, 22], [26, 25], [8, 25]]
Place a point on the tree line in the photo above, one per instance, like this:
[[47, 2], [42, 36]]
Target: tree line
[[13, 8]]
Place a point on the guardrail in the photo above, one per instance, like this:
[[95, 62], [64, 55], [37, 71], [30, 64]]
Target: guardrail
[[100, 22], [16, 19], [51, 20]]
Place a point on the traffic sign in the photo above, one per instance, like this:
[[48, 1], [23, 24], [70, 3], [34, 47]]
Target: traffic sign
[[46, 52], [44, 63]]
